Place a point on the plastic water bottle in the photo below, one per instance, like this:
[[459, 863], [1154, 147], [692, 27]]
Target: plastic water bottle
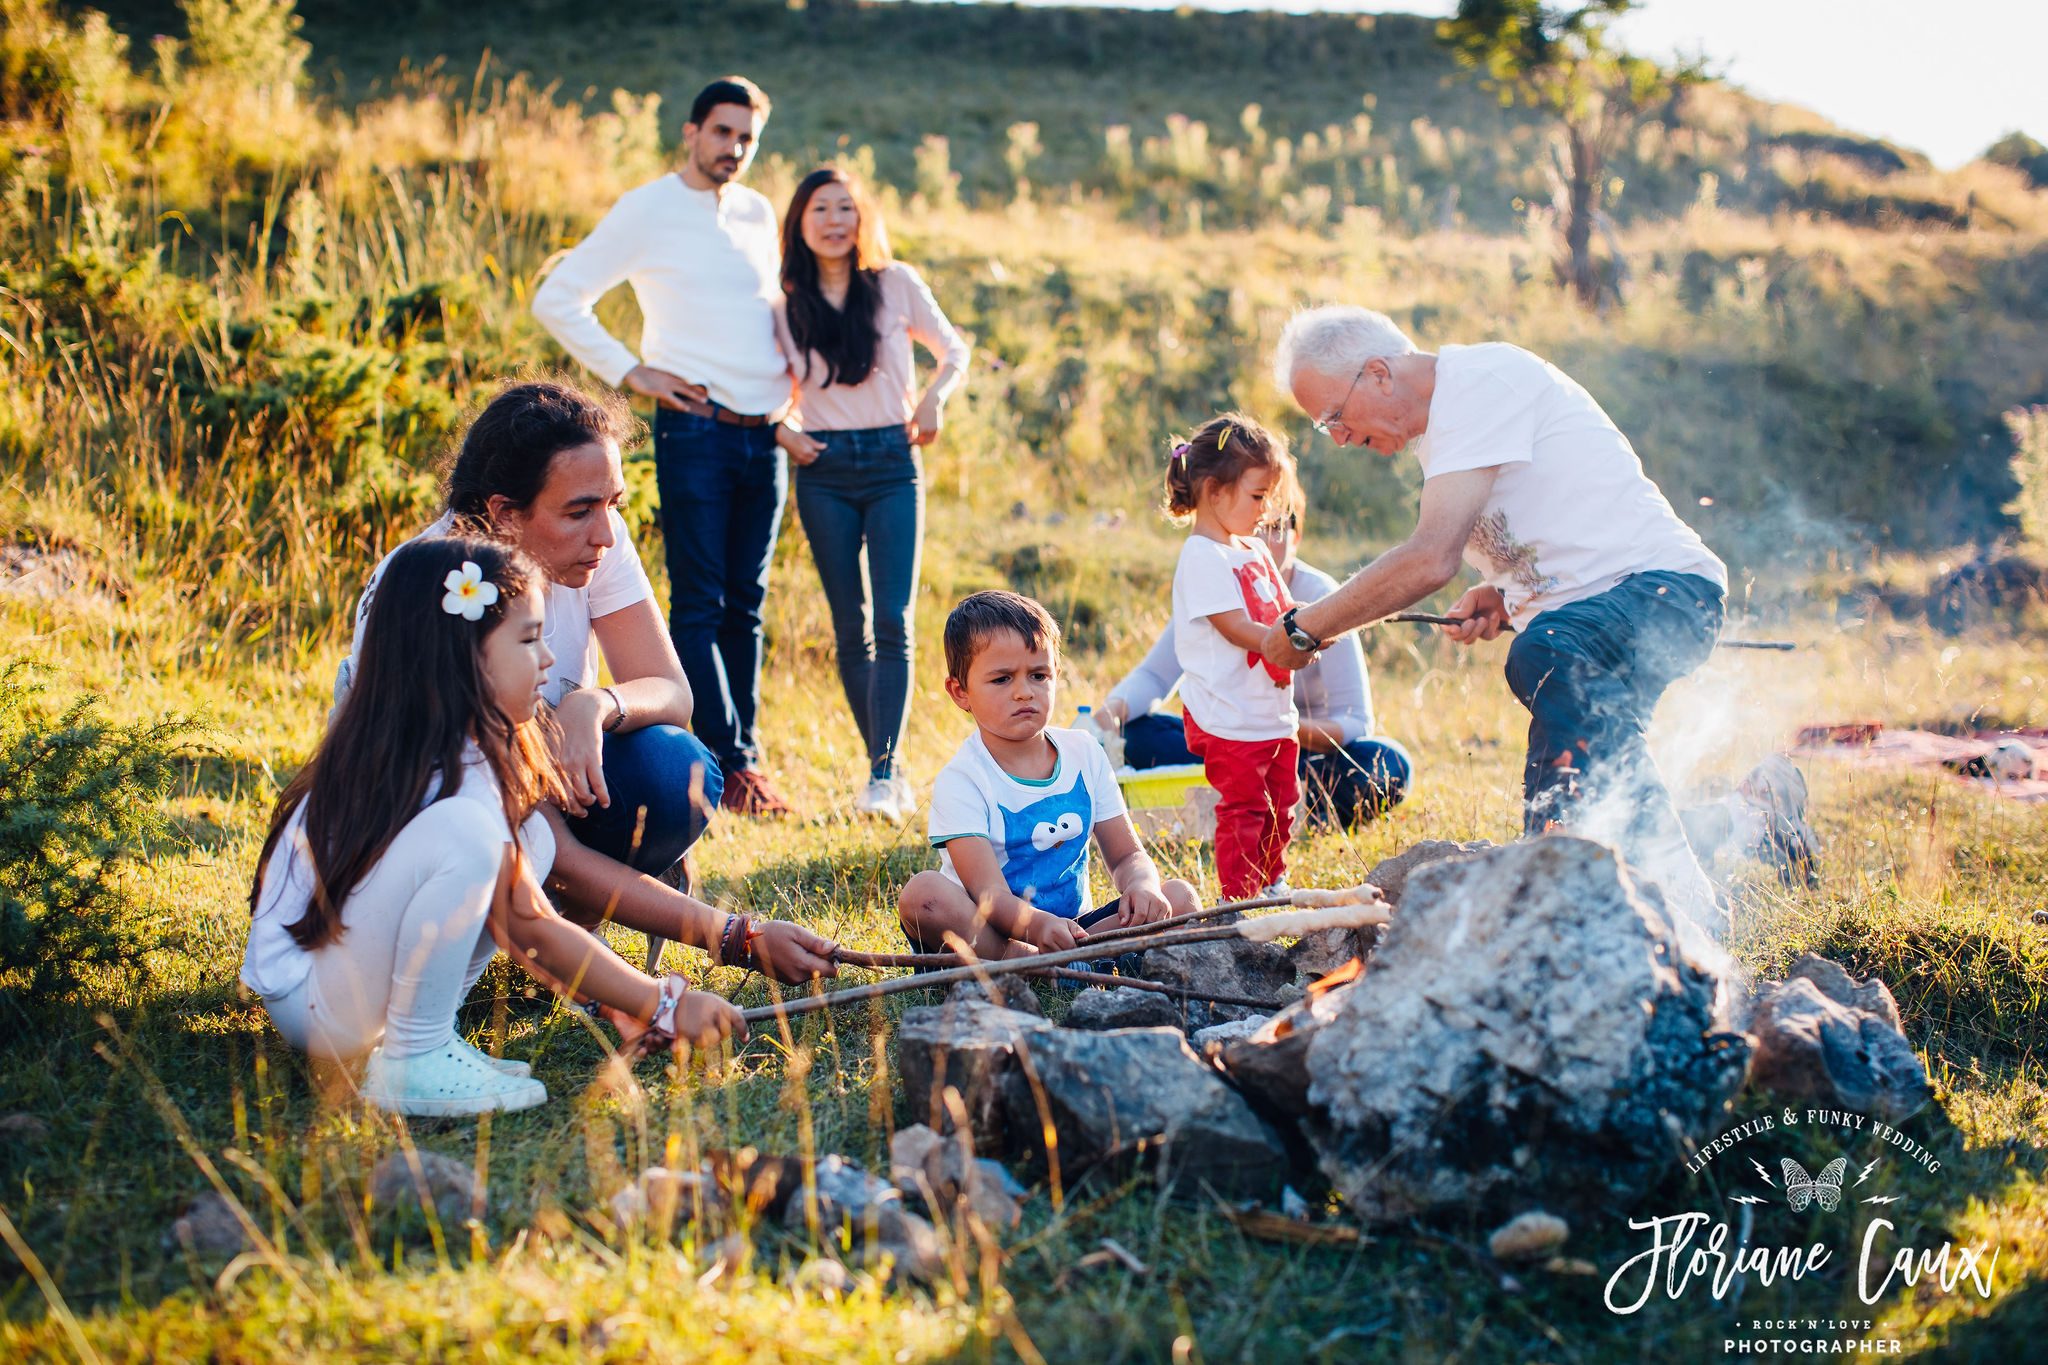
[[1112, 743]]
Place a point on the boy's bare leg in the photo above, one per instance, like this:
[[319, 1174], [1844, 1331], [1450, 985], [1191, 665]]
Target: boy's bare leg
[[932, 906], [1181, 895]]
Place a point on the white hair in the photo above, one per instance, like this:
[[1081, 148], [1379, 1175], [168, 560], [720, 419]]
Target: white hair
[[1336, 340]]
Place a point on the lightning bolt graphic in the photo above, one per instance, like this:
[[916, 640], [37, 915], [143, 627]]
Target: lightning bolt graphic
[[1882, 1199], [1866, 1172], [1764, 1173], [1747, 1199]]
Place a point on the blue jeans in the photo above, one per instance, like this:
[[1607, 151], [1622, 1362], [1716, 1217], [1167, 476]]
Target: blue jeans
[[1591, 674], [651, 770], [1347, 786], [862, 507], [721, 505]]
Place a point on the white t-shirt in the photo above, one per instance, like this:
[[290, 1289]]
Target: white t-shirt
[[1571, 513], [273, 964], [618, 582], [1038, 829], [1232, 692]]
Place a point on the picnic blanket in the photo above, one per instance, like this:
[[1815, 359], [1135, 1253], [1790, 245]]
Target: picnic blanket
[[1869, 744]]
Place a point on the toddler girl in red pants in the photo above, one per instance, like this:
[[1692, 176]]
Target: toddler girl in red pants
[[1239, 709]]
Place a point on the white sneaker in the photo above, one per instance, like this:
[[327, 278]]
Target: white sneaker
[[449, 1082], [504, 1066], [879, 800], [906, 797], [1279, 888]]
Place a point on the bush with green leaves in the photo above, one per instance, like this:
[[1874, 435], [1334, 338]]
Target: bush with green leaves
[[79, 796]]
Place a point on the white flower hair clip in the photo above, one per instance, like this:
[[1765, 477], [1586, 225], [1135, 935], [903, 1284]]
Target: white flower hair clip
[[468, 592]]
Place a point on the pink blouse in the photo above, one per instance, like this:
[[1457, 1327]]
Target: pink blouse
[[889, 395]]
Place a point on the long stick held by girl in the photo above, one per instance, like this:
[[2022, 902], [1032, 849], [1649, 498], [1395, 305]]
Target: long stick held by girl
[[410, 848], [1239, 709]]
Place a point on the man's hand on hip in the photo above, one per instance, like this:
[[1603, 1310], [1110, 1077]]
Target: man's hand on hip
[[1482, 614], [670, 391]]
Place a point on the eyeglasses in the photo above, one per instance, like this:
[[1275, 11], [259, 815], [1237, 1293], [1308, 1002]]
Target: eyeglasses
[[1335, 418]]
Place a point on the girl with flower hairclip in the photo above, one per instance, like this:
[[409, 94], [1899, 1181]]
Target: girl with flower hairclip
[[413, 847]]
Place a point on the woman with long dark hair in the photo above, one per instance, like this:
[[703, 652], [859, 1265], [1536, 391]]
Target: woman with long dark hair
[[540, 469], [847, 317], [411, 848]]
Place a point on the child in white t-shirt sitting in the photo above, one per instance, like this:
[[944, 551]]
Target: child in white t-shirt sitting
[[1012, 812], [1238, 709]]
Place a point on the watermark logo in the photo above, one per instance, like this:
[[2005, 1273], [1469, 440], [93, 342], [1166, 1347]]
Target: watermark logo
[[1697, 1252]]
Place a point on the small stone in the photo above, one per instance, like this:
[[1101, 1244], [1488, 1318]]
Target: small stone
[[910, 1154], [23, 1129], [823, 1276], [1216, 1035], [1315, 955], [870, 1214], [1141, 1095], [1530, 1236], [1011, 993], [729, 1255], [449, 1185], [208, 1227], [2041, 917], [936, 1171], [664, 1198], [1122, 1007], [970, 1046], [1824, 1034], [1391, 875]]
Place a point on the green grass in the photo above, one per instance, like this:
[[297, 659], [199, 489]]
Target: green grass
[[1943, 922]]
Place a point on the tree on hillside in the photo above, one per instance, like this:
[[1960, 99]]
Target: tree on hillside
[[1559, 59]]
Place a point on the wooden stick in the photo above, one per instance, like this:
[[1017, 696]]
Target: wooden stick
[[1264, 929], [853, 958], [1157, 987], [1423, 618]]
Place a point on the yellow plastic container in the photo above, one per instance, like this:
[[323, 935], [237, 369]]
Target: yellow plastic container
[[1168, 785]]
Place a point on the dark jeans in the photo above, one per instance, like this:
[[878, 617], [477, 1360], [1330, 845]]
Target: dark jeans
[[1347, 786], [721, 505], [862, 507], [651, 770], [1591, 674]]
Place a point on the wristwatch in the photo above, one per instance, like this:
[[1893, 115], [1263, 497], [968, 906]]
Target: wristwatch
[[1296, 636]]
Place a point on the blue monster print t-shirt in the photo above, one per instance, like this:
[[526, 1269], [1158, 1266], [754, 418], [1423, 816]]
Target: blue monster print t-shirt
[[1039, 830]]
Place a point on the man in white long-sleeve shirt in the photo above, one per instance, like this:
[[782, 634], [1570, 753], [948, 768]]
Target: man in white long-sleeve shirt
[[1349, 771], [702, 254]]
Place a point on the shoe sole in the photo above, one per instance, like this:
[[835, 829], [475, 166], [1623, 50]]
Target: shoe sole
[[458, 1106]]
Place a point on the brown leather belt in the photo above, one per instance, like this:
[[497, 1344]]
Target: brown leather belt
[[720, 414]]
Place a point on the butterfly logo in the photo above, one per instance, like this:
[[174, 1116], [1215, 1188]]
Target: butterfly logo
[[1824, 1189], [1052, 833]]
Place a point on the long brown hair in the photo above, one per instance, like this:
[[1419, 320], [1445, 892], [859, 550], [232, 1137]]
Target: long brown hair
[[1222, 449], [845, 337], [420, 696]]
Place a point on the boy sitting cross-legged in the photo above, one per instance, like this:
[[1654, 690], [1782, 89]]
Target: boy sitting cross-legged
[[1012, 812]]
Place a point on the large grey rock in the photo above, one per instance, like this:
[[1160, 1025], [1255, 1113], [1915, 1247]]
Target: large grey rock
[[448, 1185], [1824, 1034], [1123, 1007], [1318, 954], [1239, 967], [1529, 1033], [1141, 1095], [855, 1208], [969, 1045]]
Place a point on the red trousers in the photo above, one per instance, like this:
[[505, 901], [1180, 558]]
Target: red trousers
[[1256, 789]]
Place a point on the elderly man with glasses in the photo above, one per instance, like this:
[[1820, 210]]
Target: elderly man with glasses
[[1611, 597]]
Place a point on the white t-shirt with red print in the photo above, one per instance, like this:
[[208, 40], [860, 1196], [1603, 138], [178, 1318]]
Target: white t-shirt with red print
[[1232, 692], [1571, 513]]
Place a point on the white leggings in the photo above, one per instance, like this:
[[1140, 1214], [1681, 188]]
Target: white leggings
[[414, 940]]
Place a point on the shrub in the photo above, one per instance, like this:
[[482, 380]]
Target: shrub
[[2029, 428], [79, 795]]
